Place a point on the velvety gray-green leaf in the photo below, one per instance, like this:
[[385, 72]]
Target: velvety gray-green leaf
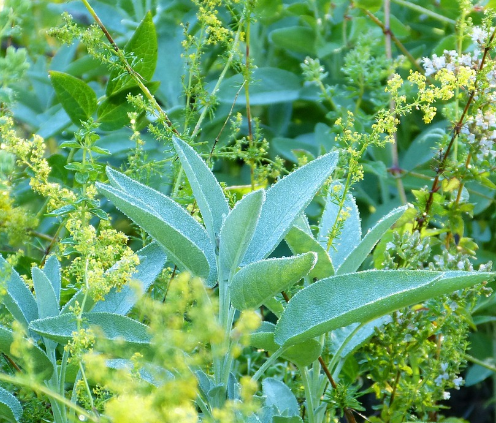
[[277, 394], [144, 49], [300, 242], [284, 202], [152, 260], [238, 230], [39, 360], [362, 250], [180, 248], [207, 191], [361, 297], [359, 337], [18, 299], [48, 305], [112, 327], [259, 281], [52, 272], [351, 233], [10, 407], [302, 354]]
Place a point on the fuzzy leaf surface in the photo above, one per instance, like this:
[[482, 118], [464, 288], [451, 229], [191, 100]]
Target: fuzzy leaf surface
[[361, 297], [10, 407], [351, 233], [302, 354], [113, 327], [52, 272], [284, 202], [207, 191], [76, 96], [152, 261], [183, 238], [48, 305], [238, 230], [256, 283], [18, 299], [277, 394], [362, 250], [299, 241], [144, 49]]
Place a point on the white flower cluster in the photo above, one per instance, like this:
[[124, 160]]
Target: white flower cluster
[[451, 61], [480, 132], [457, 381]]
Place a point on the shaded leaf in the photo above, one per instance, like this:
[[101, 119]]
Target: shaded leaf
[[10, 407]]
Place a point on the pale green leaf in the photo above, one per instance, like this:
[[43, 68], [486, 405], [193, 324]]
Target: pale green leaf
[[277, 394], [351, 233], [112, 327], [144, 49], [238, 229], [284, 202], [152, 260], [300, 242], [18, 299], [259, 281], [362, 250], [361, 297], [77, 98], [207, 191], [10, 407], [48, 305], [52, 272], [302, 354]]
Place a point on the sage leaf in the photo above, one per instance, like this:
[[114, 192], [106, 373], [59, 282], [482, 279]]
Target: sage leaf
[[277, 394], [152, 260], [302, 354], [183, 238], [284, 202], [300, 242], [52, 272], [143, 49], [113, 327], [37, 358], [351, 232], [207, 191], [48, 305], [18, 299], [10, 407], [361, 297], [362, 250], [256, 283], [77, 98], [238, 230]]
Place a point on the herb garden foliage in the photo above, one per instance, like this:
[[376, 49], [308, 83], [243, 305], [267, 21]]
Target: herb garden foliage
[[136, 287]]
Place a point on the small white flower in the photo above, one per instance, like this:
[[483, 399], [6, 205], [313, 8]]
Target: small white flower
[[479, 35], [446, 395], [429, 68], [457, 381], [438, 62]]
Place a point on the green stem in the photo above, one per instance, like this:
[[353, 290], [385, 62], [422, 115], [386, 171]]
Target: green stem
[[474, 360], [267, 364], [308, 394], [424, 11]]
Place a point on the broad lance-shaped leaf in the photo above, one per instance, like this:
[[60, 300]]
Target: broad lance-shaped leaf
[[37, 358], [183, 238], [256, 283], [52, 272], [207, 191], [144, 49], [46, 299], [10, 407], [238, 229], [362, 250], [302, 354], [284, 202], [277, 394], [18, 299], [351, 232], [300, 242], [152, 260], [77, 98], [361, 297], [112, 327]]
